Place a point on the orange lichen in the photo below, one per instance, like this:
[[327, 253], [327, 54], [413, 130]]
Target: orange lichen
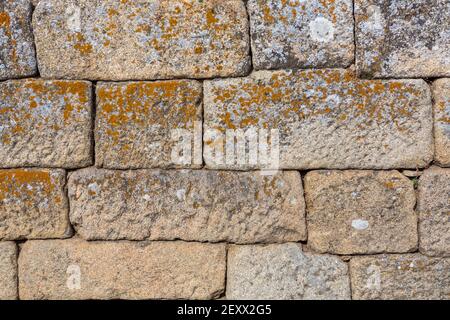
[[15, 183]]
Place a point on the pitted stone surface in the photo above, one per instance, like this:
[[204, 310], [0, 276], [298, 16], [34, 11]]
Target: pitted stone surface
[[75, 269], [326, 118], [402, 39], [17, 54], [400, 277], [301, 34], [441, 94], [136, 121], [241, 207], [126, 40], [8, 271], [33, 204], [284, 272], [434, 212], [45, 123], [360, 212]]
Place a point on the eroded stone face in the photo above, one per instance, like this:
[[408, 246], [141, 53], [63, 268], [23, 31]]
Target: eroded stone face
[[17, 54], [45, 123], [399, 277], [242, 207], [74, 269], [125, 40], [8, 271], [301, 34], [441, 94], [33, 204], [325, 118], [434, 212], [402, 38], [284, 272], [137, 124], [360, 212]]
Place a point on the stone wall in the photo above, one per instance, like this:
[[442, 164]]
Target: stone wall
[[98, 200]]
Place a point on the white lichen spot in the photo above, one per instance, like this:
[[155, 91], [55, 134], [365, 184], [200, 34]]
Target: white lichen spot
[[373, 281], [360, 224], [181, 194], [73, 14], [321, 30], [94, 187], [146, 197]]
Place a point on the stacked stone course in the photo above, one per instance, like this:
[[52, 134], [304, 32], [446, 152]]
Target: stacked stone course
[[92, 205]]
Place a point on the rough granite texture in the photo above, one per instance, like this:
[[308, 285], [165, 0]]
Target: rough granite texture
[[75, 269], [327, 118], [241, 207], [284, 272], [360, 212], [441, 95], [17, 53], [146, 39], [8, 271], [45, 124], [434, 212], [33, 204], [135, 122], [402, 39], [400, 277], [301, 34]]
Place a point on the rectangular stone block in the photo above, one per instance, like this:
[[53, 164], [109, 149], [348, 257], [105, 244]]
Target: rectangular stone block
[[213, 206], [45, 124], [400, 277], [33, 204], [17, 53], [284, 272], [360, 212], [137, 124], [441, 95], [301, 34], [8, 271], [75, 269], [402, 38], [433, 205], [139, 40], [325, 119]]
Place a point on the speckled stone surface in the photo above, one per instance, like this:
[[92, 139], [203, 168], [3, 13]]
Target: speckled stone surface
[[17, 53], [434, 212], [402, 39], [45, 123], [136, 121], [284, 272], [8, 271], [326, 118], [400, 277], [242, 207], [75, 269], [360, 212], [441, 95], [33, 204], [125, 40], [301, 34]]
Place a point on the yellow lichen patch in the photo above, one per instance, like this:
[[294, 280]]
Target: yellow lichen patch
[[23, 183]]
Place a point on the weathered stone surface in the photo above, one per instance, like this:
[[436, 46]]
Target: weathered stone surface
[[136, 121], [399, 277], [284, 272], [327, 118], [241, 207], [402, 38], [75, 269], [360, 212], [17, 54], [33, 204], [8, 271], [302, 34], [441, 94], [45, 124], [125, 40], [433, 205]]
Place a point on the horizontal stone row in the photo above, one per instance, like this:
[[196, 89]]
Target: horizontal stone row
[[346, 212], [75, 269], [323, 118], [125, 40]]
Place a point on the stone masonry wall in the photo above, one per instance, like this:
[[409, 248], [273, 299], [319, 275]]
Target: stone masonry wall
[[128, 167]]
